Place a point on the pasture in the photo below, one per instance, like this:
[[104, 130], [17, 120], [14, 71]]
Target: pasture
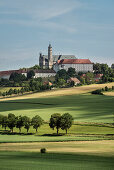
[[83, 107], [46, 134], [68, 155], [89, 144]]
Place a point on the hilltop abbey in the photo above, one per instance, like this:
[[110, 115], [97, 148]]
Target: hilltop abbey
[[58, 62], [50, 64], [48, 61]]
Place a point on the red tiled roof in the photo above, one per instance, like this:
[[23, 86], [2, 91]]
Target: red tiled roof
[[74, 61], [9, 72], [98, 75], [74, 79]]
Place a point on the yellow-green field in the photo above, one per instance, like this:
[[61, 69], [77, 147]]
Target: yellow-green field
[[62, 92], [90, 148], [104, 147]]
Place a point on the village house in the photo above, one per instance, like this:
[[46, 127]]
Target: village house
[[74, 79]]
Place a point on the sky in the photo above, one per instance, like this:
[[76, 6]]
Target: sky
[[84, 28]]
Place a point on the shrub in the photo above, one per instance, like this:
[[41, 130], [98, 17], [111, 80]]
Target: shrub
[[97, 92], [43, 150]]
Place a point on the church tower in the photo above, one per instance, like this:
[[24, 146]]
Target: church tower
[[50, 57]]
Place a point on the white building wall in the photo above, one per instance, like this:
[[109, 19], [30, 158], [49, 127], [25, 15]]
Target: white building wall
[[78, 67], [24, 74], [5, 77], [44, 75]]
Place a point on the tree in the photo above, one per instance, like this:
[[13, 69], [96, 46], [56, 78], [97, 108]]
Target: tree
[[19, 123], [15, 91], [71, 72], [55, 121], [4, 94], [82, 79], [66, 121], [61, 74], [27, 123], [10, 92], [11, 121], [1, 118], [35, 67], [4, 122], [112, 66], [30, 74], [17, 77], [72, 83], [61, 82], [106, 88], [37, 121], [89, 78]]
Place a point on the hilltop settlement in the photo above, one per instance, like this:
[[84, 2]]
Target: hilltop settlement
[[56, 71]]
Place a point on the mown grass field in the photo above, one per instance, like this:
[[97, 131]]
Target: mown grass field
[[92, 147], [45, 133], [69, 155], [53, 161], [83, 108]]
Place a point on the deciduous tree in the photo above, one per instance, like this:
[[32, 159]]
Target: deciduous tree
[[55, 121], [37, 121], [66, 121]]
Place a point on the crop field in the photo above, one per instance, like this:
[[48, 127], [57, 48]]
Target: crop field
[[68, 155]]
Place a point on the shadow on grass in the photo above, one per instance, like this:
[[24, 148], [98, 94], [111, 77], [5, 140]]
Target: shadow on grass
[[6, 132], [54, 134]]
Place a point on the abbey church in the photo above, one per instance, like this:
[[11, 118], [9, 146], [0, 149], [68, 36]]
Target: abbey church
[[50, 64], [58, 62], [48, 61]]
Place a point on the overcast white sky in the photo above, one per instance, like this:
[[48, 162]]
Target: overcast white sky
[[84, 28]]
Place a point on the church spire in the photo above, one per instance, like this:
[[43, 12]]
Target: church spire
[[50, 57]]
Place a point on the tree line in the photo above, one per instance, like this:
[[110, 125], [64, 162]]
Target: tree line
[[56, 121], [100, 91], [34, 85]]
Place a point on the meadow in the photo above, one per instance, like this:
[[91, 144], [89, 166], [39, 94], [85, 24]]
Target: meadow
[[89, 144], [60, 155], [83, 107], [46, 134]]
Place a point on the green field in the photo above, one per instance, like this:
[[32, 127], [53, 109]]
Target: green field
[[83, 107], [45, 133], [89, 144], [54, 161], [87, 155]]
